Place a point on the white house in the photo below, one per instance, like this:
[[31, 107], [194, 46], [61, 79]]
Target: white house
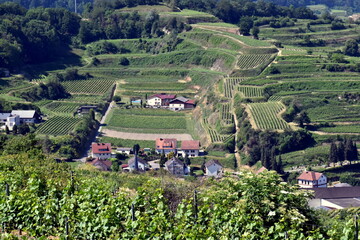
[[176, 167], [126, 151], [142, 164], [165, 145], [26, 116], [181, 103], [159, 100], [309, 179], [213, 168], [190, 147], [101, 150], [12, 121]]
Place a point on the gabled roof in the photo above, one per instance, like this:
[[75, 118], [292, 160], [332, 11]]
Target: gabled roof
[[310, 176], [190, 102], [101, 148], [336, 192], [165, 143], [104, 164], [174, 160], [190, 144], [181, 99], [211, 162], [4, 116], [24, 113], [163, 96], [140, 160]]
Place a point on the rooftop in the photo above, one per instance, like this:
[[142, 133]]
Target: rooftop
[[190, 144], [211, 162], [310, 176], [24, 113], [336, 192], [101, 148], [163, 96], [165, 143]]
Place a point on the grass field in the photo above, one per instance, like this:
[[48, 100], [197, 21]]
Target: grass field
[[58, 125]]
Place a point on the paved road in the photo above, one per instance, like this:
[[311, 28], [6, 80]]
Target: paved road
[[144, 136]]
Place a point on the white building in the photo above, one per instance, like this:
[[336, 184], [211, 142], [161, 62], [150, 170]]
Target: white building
[[309, 179], [159, 100], [12, 121], [213, 168], [126, 151], [142, 164], [101, 150], [26, 116], [181, 103], [190, 148]]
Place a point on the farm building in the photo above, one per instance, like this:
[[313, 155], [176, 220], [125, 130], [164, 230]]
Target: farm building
[[190, 148], [101, 150], [160, 100], [309, 179], [9, 120], [86, 109], [27, 116], [176, 167], [165, 145], [126, 151], [181, 103], [335, 198], [213, 168]]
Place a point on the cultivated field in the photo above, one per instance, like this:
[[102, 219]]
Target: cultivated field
[[58, 125]]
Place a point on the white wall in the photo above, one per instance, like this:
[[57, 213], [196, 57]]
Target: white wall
[[190, 153], [101, 155], [154, 101], [176, 106], [213, 170]]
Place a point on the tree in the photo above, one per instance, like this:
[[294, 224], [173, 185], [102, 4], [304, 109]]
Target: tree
[[280, 169], [124, 61], [136, 149], [302, 118], [170, 155], [162, 160], [348, 149], [92, 114], [333, 156], [255, 32], [117, 98], [15, 129], [341, 153], [115, 166], [187, 160], [46, 145], [246, 23], [7, 131], [351, 48], [273, 161]]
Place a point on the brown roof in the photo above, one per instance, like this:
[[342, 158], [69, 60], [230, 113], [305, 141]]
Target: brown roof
[[310, 176], [335, 192], [163, 96], [104, 164], [190, 144], [165, 143], [101, 148], [211, 162]]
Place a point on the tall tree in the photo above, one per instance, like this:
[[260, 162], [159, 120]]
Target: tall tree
[[341, 153], [273, 161], [351, 48], [162, 160], [333, 156]]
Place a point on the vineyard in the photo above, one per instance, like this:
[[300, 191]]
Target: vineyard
[[226, 115], [230, 84], [93, 86], [80, 98], [215, 137], [253, 60], [58, 125], [251, 92], [341, 129], [275, 98], [62, 107], [266, 116]]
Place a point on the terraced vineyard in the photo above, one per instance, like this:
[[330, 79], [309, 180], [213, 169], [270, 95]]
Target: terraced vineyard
[[275, 98], [226, 114], [215, 137], [93, 86], [265, 115], [58, 125], [253, 60], [79, 98], [62, 107], [230, 84], [251, 92]]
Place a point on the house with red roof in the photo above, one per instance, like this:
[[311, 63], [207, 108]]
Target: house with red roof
[[190, 148], [181, 103], [101, 150], [165, 145], [160, 100], [103, 165], [310, 179]]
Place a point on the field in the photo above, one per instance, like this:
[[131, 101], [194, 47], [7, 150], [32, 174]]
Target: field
[[147, 121], [313, 156], [58, 125], [62, 108], [266, 116], [93, 86], [118, 142], [341, 129], [229, 85], [251, 92], [253, 61]]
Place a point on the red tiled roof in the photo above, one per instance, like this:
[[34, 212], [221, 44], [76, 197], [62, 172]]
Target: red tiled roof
[[190, 144], [101, 148], [104, 164], [310, 176], [163, 96], [165, 143], [191, 102]]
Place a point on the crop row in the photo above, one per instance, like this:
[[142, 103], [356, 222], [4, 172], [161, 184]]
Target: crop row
[[274, 98], [226, 115], [146, 112], [265, 115], [230, 84], [62, 107], [78, 98], [93, 86], [250, 92], [58, 125], [253, 61], [214, 135]]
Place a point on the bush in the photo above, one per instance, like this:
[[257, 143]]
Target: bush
[[124, 61]]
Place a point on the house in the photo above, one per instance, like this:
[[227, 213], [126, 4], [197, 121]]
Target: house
[[159, 100], [126, 151], [309, 179], [165, 145], [86, 109], [26, 116], [335, 198], [103, 165], [190, 147], [9, 120], [4, 117], [213, 168], [176, 167], [181, 103], [101, 150], [142, 164]]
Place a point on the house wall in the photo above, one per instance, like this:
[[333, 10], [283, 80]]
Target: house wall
[[213, 170], [12, 121], [190, 153], [166, 151], [140, 165], [101, 155], [175, 169], [27, 120], [154, 101], [176, 106]]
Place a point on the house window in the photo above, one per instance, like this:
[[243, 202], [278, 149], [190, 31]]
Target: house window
[[192, 151]]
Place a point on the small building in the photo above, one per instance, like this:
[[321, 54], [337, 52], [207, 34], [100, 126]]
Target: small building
[[310, 179], [4, 117], [165, 145], [126, 151], [86, 109], [142, 164], [26, 116], [190, 147], [335, 198], [12, 120], [159, 100], [176, 167], [101, 150], [103, 165], [213, 168], [181, 103]]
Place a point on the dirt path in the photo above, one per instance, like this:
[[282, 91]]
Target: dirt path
[[144, 136]]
